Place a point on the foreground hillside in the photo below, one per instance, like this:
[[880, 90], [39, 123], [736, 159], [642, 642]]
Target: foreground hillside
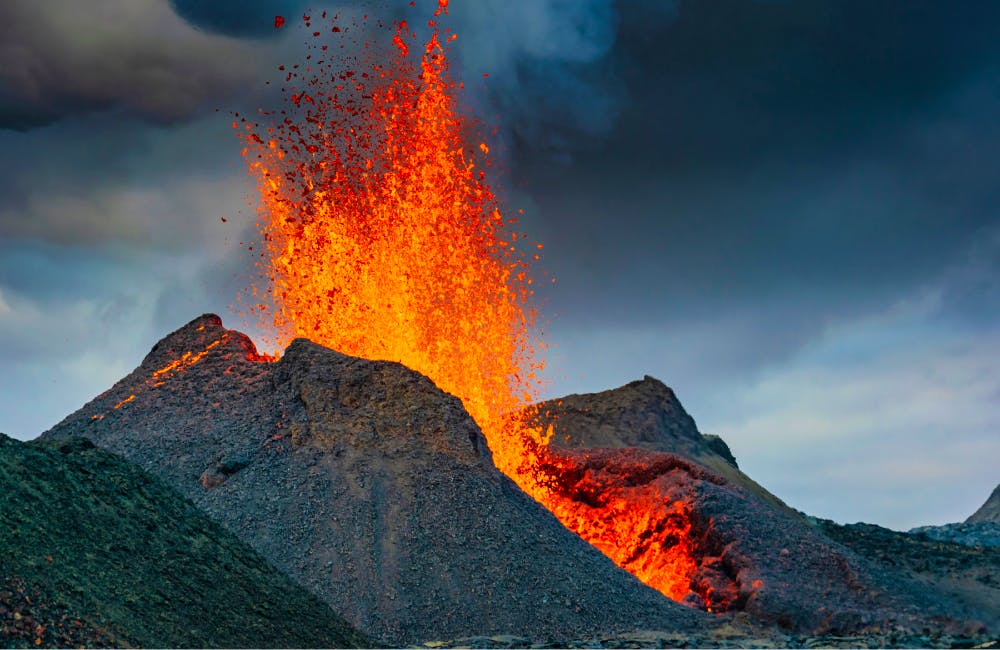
[[96, 552]]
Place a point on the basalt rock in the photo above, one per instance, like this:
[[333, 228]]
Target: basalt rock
[[368, 485]]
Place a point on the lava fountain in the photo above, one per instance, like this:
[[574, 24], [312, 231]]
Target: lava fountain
[[381, 238]]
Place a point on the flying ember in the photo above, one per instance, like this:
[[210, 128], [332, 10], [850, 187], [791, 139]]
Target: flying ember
[[382, 238]]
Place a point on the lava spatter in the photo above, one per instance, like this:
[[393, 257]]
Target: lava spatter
[[382, 238]]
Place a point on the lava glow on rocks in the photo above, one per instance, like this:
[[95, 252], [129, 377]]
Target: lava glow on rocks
[[381, 238]]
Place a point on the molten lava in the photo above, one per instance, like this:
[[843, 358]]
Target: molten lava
[[160, 376], [382, 239]]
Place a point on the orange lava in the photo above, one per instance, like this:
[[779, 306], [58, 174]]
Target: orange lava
[[644, 534], [382, 239], [160, 376], [621, 502], [124, 401]]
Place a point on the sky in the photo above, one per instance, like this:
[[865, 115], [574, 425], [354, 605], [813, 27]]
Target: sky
[[787, 210]]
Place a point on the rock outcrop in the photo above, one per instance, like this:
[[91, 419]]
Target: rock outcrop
[[643, 414], [976, 533]]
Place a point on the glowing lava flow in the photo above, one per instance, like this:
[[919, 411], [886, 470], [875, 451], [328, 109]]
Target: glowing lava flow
[[382, 239]]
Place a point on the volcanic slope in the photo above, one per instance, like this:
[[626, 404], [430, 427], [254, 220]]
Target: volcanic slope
[[367, 484], [96, 552], [989, 511], [752, 552]]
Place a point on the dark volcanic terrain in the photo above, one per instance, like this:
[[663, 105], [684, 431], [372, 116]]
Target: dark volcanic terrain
[[375, 490], [96, 552]]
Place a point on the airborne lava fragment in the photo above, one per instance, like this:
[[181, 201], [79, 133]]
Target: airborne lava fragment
[[383, 239]]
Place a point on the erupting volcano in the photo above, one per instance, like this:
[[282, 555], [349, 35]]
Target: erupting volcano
[[391, 475], [383, 239]]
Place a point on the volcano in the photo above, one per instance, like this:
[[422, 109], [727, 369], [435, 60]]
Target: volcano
[[377, 491], [366, 484]]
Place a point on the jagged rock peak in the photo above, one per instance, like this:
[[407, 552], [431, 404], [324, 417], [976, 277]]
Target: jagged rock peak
[[989, 511], [644, 413], [202, 337]]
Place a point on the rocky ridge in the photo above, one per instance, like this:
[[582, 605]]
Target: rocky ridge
[[376, 491], [982, 528], [977, 533]]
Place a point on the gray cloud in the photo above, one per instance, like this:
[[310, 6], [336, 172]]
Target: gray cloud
[[64, 57], [881, 412], [119, 182]]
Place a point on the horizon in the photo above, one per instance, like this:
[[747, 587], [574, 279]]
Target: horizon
[[784, 211]]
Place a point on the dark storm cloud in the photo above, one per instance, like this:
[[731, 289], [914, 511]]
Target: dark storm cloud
[[550, 79], [728, 81], [64, 57], [794, 221], [242, 18], [824, 157], [118, 182]]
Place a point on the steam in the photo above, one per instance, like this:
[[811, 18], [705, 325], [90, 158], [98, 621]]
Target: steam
[[547, 61]]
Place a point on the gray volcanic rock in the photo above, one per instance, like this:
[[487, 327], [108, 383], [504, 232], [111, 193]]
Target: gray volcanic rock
[[644, 414], [989, 511], [966, 575], [719, 446], [368, 485], [766, 561], [981, 529], [976, 533]]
